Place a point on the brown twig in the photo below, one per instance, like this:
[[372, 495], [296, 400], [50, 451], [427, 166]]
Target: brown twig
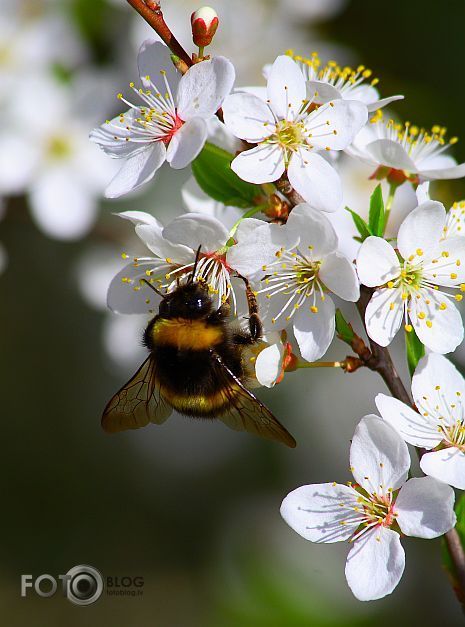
[[288, 191], [153, 15], [378, 358]]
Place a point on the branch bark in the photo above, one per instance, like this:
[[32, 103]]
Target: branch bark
[[153, 15]]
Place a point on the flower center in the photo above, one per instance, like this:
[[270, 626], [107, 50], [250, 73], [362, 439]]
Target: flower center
[[296, 277], [289, 135], [59, 147], [372, 510], [454, 435]]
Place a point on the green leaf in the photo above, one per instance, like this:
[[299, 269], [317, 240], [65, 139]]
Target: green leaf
[[415, 350], [343, 328], [460, 528], [376, 216], [212, 171], [360, 224]]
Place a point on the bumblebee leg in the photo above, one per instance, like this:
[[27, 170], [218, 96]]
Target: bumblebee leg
[[255, 324]]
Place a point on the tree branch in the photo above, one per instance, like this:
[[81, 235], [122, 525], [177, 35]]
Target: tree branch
[[288, 191], [379, 359], [151, 11]]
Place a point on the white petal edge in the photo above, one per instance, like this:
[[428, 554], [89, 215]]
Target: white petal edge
[[425, 508]]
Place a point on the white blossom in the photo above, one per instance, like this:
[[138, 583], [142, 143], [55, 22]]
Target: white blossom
[[438, 425], [170, 124], [289, 135], [331, 81], [417, 153], [298, 267], [48, 156], [372, 512], [173, 251], [410, 282]]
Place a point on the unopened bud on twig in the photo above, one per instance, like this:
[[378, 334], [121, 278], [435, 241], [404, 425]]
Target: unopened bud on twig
[[204, 24]]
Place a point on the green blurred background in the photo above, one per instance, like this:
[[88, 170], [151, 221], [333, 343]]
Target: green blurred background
[[194, 508]]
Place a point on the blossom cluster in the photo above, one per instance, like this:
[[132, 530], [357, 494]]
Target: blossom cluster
[[291, 135]]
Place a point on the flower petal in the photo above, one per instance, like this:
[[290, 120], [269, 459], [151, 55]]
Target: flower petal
[[421, 229], [262, 164], [286, 87], [124, 299], [316, 181], [383, 102], [377, 263], [314, 332], [425, 508], [413, 427], [154, 58], [436, 321], [112, 136], [258, 247], [140, 217], [448, 262], [321, 512], [203, 88], [453, 172], [390, 153], [322, 92], [375, 564], [152, 236], [437, 379], [248, 117], [197, 229], [339, 275], [447, 465], [186, 143], [268, 364], [335, 124], [138, 169], [383, 315], [379, 458], [313, 230]]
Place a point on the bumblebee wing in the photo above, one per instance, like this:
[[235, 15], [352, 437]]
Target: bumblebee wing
[[247, 413], [137, 403]]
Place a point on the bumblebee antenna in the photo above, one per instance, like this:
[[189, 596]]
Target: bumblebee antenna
[[197, 257], [153, 288]]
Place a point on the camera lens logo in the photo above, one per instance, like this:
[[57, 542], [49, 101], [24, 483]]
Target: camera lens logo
[[84, 585]]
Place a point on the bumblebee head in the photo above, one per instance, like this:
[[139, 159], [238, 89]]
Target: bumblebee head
[[190, 301]]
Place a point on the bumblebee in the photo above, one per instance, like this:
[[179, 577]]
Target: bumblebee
[[196, 367]]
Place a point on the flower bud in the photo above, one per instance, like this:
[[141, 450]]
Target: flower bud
[[204, 24]]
